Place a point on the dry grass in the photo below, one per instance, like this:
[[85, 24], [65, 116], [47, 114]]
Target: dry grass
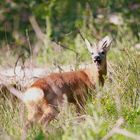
[[120, 98]]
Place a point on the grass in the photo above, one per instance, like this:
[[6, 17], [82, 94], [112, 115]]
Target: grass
[[119, 98]]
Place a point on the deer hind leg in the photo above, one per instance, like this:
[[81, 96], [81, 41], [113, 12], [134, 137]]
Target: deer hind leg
[[34, 114], [32, 97], [49, 113]]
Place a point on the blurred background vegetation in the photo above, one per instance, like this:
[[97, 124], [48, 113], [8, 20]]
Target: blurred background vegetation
[[46, 32], [28, 27]]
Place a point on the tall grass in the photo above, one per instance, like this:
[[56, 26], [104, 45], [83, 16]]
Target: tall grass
[[119, 98]]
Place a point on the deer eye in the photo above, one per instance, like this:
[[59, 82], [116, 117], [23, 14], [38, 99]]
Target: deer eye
[[103, 52], [92, 53]]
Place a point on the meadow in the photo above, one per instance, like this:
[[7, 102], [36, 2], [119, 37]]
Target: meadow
[[111, 112]]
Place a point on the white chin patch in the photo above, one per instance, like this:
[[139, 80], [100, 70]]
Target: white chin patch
[[97, 65]]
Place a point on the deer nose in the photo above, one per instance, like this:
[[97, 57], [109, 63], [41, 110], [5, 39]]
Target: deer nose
[[97, 58]]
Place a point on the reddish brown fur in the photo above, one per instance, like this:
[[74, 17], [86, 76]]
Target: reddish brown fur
[[48, 92], [67, 83], [72, 84]]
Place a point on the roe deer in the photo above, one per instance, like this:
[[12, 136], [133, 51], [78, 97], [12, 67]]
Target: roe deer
[[46, 93]]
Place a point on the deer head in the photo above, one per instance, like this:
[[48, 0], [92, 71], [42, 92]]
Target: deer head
[[99, 51]]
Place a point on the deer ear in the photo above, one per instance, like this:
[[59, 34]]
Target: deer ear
[[88, 45], [105, 43]]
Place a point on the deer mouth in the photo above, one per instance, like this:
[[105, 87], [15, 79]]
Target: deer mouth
[[98, 63]]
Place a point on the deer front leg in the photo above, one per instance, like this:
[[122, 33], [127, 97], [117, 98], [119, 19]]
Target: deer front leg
[[80, 101]]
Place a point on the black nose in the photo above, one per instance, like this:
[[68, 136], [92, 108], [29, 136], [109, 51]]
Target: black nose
[[97, 58]]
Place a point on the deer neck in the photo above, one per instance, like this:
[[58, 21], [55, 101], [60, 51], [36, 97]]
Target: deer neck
[[101, 76], [96, 76]]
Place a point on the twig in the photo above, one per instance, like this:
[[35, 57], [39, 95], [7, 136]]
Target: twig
[[40, 35], [59, 44], [118, 124], [127, 133], [12, 90], [19, 57], [117, 130], [59, 67], [81, 35], [31, 53]]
